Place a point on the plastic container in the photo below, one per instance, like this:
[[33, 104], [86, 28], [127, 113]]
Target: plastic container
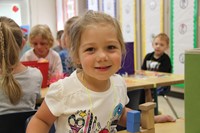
[[43, 67]]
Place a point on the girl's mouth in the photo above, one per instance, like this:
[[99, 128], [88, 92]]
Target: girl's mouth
[[103, 68]]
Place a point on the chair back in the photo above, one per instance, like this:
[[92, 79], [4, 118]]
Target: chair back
[[14, 122]]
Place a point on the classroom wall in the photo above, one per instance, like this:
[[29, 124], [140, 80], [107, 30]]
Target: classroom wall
[[43, 12]]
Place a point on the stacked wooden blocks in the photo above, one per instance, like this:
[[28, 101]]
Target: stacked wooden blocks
[[147, 119]]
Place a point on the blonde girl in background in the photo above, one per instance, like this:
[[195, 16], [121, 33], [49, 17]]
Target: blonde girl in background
[[93, 98], [41, 41], [20, 85], [67, 64]]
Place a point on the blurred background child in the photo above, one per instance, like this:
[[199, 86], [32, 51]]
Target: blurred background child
[[158, 61], [58, 47], [41, 40], [68, 67], [20, 85]]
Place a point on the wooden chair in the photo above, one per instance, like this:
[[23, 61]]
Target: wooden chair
[[163, 91], [14, 122]]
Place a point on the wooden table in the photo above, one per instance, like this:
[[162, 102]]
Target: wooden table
[[145, 80], [170, 127], [150, 79]]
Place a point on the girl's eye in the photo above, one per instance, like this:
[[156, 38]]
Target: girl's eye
[[112, 47], [89, 49], [43, 43], [35, 44]]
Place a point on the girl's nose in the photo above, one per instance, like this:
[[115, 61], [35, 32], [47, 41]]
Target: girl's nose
[[102, 56]]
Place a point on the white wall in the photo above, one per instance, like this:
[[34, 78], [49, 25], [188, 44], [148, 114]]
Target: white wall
[[43, 12], [24, 5]]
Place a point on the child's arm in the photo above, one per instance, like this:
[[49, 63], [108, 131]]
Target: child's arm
[[42, 121], [122, 121]]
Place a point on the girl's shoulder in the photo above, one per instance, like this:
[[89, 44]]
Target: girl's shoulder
[[67, 85], [53, 52], [118, 80], [30, 72], [29, 56], [29, 52], [53, 55], [34, 70]]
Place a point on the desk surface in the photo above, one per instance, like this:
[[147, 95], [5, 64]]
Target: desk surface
[[157, 78], [145, 80], [170, 127]]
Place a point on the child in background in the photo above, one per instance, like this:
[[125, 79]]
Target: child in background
[[93, 98], [58, 48], [68, 67], [41, 39], [20, 85], [158, 61]]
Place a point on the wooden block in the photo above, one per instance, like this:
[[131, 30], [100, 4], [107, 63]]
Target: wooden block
[[133, 121], [147, 119], [147, 106]]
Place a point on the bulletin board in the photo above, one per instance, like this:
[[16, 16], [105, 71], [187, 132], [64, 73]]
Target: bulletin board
[[109, 7], [127, 17], [152, 23], [183, 33]]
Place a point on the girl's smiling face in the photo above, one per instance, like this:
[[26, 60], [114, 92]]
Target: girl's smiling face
[[100, 52]]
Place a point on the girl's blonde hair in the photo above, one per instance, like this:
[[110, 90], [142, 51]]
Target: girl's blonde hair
[[67, 27], [42, 30], [10, 44], [91, 18]]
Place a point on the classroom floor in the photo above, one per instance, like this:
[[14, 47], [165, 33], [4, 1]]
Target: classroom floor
[[177, 103]]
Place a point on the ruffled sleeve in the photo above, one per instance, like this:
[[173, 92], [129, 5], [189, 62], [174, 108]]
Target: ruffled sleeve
[[55, 98]]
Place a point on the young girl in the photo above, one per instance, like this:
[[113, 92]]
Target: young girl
[[41, 39], [20, 85], [93, 98], [68, 67]]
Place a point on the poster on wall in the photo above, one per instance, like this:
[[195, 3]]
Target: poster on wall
[[127, 19], [152, 23], [69, 9], [93, 5], [109, 7], [183, 34], [12, 11]]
